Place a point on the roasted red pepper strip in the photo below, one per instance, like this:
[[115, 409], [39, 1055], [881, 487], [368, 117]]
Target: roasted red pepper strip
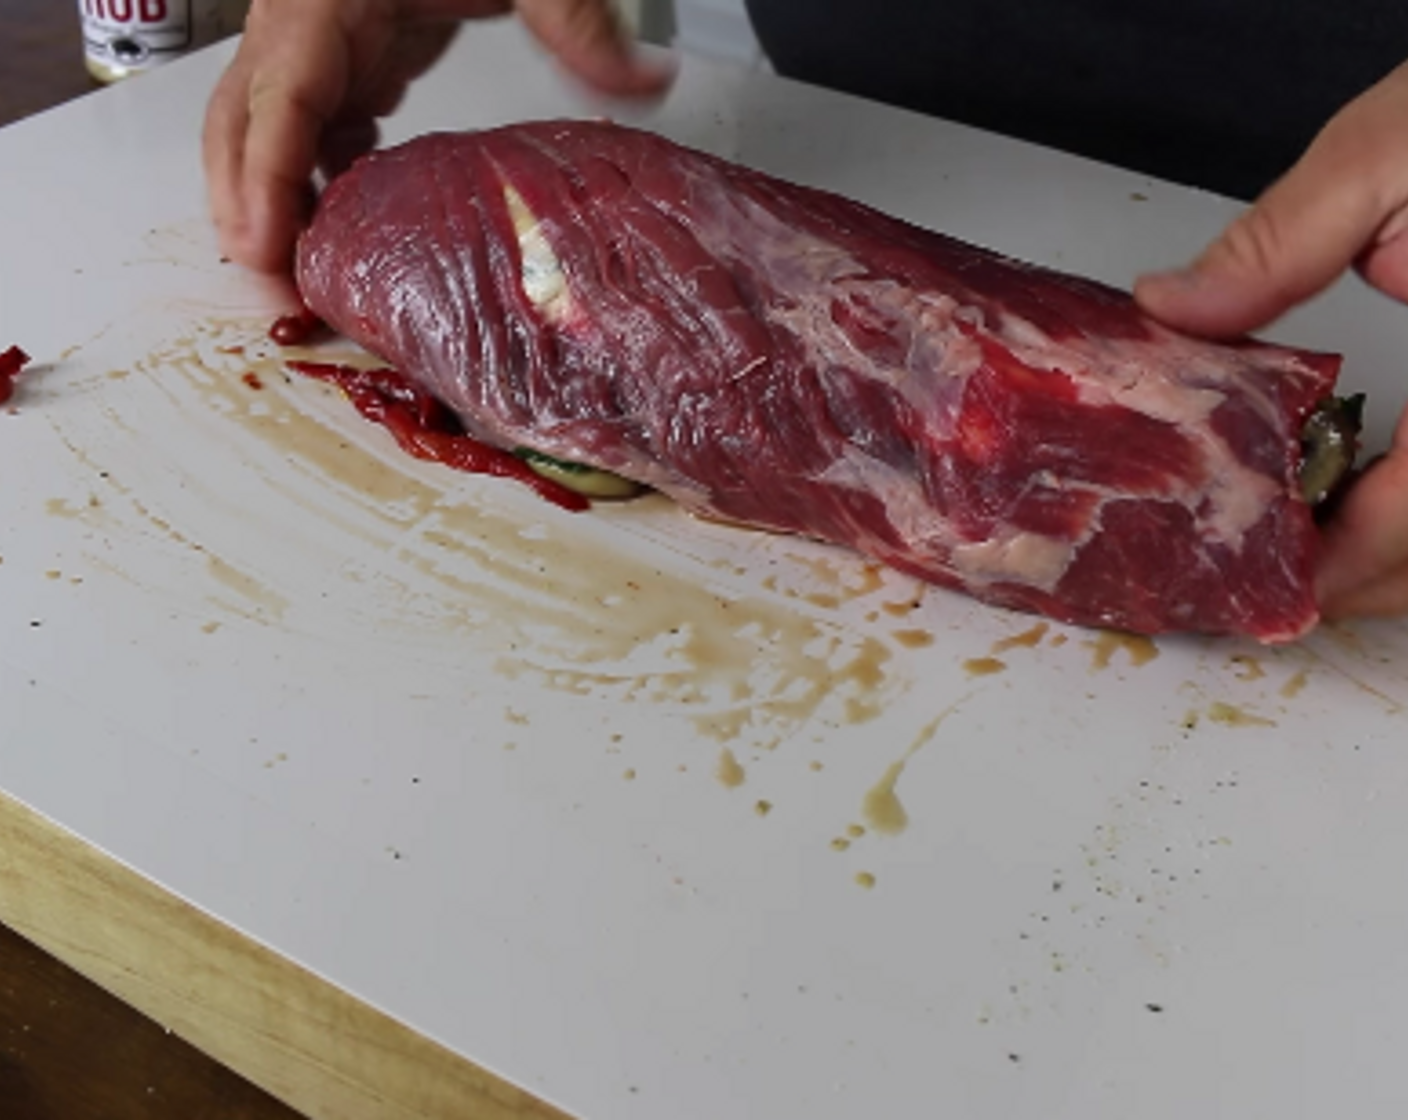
[[11, 362], [427, 429]]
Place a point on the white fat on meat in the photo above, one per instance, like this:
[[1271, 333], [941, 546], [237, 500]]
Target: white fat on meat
[[1167, 378], [1015, 556], [1035, 560]]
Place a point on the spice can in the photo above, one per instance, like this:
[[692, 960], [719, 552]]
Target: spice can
[[125, 37]]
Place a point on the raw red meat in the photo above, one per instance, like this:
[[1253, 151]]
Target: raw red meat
[[788, 359], [295, 329]]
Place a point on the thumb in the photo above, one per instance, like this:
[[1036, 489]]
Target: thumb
[[586, 36], [1296, 241], [1364, 566], [1310, 227]]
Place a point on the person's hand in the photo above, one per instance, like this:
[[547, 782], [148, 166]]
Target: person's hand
[[311, 77], [1345, 204]]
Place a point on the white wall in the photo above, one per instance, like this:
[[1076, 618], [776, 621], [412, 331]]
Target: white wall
[[715, 28]]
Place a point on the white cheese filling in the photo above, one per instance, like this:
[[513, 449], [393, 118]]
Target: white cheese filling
[[544, 282]]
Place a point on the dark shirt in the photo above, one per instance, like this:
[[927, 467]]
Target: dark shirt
[[1223, 94]]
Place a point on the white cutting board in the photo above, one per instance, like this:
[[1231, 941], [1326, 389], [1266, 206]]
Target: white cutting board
[[459, 752]]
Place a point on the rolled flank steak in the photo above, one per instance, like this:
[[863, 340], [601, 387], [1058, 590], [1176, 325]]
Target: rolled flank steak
[[785, 358]]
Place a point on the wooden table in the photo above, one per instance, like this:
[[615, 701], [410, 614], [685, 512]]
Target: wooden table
[[43, 52], [68, 1049]]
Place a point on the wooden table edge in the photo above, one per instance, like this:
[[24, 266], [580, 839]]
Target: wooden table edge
[[283, 1028]]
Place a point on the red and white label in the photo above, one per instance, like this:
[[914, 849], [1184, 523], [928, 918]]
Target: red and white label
[[149, 13], [130, 35]]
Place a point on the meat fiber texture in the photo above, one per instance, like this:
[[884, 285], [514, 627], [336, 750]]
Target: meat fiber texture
[[788, 359]]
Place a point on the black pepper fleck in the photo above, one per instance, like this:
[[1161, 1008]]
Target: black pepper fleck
[[1156, 1008]]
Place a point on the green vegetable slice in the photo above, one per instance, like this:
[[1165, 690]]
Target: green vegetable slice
[[1329, 441], [580, 478]]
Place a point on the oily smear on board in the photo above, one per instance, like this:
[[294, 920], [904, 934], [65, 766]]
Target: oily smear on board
[[744, 664]]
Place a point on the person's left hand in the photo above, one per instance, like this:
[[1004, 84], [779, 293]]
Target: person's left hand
[[1345, 204]]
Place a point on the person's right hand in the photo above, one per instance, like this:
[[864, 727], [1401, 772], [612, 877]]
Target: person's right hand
[[1343, 205], [311, 77]]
